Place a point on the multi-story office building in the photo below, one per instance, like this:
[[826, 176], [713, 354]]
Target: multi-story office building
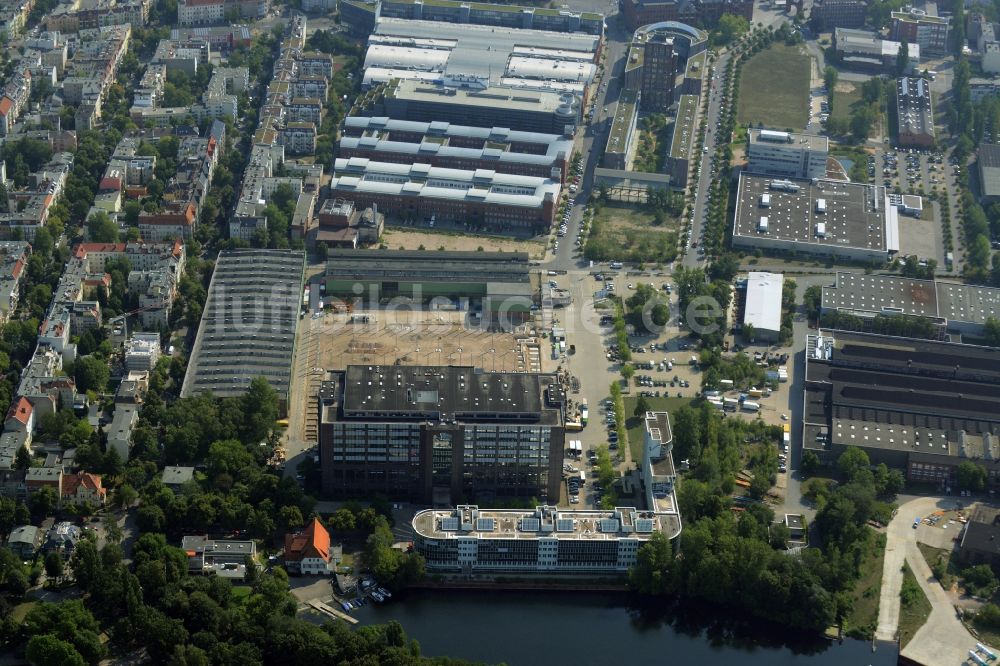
[[914, 113], [788, 155], [548, 540], [916, 26], [422, 193], [529, 110], [493, 155], [441, 433], [658, 55], [829, 14]]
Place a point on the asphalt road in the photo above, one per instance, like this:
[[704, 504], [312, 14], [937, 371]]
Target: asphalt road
[[943, 639]]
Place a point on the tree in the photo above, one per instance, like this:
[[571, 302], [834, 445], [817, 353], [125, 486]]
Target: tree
[[641, 407], [992, 332], [125, 496], [92, 374], [981, 578], [47, 650], [628, 371], [902, 57], [54, 565], [101, 229], [830, 79], [748, 331], [851, 462], [730, 27], [971, 476], [651, 573], [812, 300], [660, 314], [43, 501], [260, 409], [22, 459]]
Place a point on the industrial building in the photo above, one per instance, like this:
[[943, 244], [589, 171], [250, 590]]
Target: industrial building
[[247, 328], [550, 540], [825, 218], [917, 26], [914, 113], [787, 154], [958, 309], [826, 15], [988, 165], [476, 55], [496, 149], [762, 308], [700, 12], [494, 283], [866, 51], [426, 194], [920, 406], [361, 15], [443, 434], [529, 110]]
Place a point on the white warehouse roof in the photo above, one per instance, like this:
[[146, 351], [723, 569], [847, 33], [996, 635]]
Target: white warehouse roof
[[556, 70], [763, 305], [397, 57]]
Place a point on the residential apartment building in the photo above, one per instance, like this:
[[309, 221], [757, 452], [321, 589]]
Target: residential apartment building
[[441, 433]]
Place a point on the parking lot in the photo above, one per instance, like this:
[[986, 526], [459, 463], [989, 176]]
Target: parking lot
[[917, 173]]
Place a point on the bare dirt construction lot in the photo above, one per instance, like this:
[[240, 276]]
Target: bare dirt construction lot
[[396, 239], [333, 341]]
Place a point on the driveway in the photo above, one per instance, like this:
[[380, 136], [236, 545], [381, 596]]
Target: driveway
[[943, 639]]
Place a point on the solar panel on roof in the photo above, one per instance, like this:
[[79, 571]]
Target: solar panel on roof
[[530, 524], [609, 524], [485, 524], [564, 525], [449, 524], [644, 525]]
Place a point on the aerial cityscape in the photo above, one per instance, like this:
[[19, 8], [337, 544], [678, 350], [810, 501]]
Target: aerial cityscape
[[437, 332]]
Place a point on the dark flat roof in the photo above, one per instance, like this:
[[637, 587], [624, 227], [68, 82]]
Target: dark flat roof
[[416, 266], [445, 393]]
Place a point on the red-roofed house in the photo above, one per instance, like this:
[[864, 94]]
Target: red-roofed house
[[20, 417], [309, 552], [83, 487], [6, 114]]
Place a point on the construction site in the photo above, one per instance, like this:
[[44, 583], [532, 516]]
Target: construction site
[[335, 340]]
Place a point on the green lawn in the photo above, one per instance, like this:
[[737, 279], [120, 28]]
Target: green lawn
[[862, 619], [914, 608], [636, 429], [627, 233], [933, 555], [774, 88], [21, 610], [845, 96]]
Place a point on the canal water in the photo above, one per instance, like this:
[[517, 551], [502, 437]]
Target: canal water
[[525, 629]]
